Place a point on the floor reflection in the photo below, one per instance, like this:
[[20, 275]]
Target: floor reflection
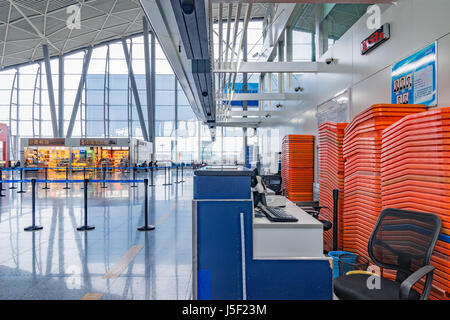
[[60, 262]]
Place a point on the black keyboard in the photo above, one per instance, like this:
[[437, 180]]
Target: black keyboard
[[278, 214]]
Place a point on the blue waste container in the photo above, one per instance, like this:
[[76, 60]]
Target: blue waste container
[[349, 257]]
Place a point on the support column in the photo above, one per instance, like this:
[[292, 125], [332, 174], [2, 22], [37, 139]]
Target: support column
[[176, 119], [289, 54], [153, 88], [244, 90], [281, 59], [76, 105], [148, 82], [319, 47], [61, 96], [137, 100], [51, 92]]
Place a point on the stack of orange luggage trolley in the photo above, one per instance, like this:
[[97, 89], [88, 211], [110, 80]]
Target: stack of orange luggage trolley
[[362, 181], [415, 175], [297, 167], [331, 175]]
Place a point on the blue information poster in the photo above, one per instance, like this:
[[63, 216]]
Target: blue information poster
[[414, 78]]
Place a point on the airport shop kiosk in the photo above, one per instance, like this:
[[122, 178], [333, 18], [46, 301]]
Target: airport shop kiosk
[[238, 256], [83, 152]]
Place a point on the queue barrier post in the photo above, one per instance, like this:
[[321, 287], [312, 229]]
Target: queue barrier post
[[85, 227], [33, 226], [46, 187], [21, 182], [152, 182], [67, 179], [134, 177], [335, 218], [182, 173], [104, 177], [146, 226], [1, 183], [13, 185], [84, 176]]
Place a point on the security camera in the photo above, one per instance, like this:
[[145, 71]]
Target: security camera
[[330, 60], [187, 6]]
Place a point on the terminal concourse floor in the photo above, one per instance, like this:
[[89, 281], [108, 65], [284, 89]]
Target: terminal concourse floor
[[114, 261]]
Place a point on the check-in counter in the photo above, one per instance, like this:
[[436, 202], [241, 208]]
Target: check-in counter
[[239, 256]]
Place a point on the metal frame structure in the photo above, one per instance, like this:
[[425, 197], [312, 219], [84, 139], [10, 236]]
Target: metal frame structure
[[106, 96], [14, 130], [30, 24], [37, 90], [76, 104], [137, 100]]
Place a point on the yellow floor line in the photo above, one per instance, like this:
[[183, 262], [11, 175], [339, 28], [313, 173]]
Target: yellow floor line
[[161, 219], [123, 263], [92, 296]]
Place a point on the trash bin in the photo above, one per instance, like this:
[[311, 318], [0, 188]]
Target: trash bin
[[350, 257], [347, 262]]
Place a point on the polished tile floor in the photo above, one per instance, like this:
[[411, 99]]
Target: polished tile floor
[[114, 261]]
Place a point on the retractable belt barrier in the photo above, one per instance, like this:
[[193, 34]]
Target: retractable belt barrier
[[85, 226], [13, 180]]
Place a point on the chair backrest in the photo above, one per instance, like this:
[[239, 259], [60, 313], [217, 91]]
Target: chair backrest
[[403, 240]]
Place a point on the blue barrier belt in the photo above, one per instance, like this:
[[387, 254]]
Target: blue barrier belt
[[71, 181], [81, 168]]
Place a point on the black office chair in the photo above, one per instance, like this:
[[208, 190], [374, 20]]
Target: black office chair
[[313, 208], [402, 241]]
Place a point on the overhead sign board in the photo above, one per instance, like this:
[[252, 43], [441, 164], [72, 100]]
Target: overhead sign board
[[375, 39], [47, 142]]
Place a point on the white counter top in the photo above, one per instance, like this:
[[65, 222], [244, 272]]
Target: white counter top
[[305, 220], [288, 240]]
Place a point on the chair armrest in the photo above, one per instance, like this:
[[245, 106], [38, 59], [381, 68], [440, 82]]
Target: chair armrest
[[405, 287], [315, 214]]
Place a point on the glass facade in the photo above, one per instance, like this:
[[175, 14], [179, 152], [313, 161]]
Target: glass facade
[[108, 108]]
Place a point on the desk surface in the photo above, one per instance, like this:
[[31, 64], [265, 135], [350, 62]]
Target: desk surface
[[304, 219]]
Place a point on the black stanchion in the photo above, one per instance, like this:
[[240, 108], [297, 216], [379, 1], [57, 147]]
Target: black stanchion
[[182, 173], [1, 183], [152, 182], [146, 227], [13, 185], [33, 226], [85, 227], [1, 178], [67, 179], [46, 187], [21, 182], [335, 218], [176, 175], [134, 178], [166, 182], [84, 176], [104, 178]]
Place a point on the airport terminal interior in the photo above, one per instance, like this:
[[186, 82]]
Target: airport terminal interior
[[224, 150]]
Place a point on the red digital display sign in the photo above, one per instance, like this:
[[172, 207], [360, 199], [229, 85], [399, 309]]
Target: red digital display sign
[[375, 39]]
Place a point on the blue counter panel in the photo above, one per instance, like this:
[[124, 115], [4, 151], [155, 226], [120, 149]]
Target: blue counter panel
[[220, 261], [219, 249], [222, 187]]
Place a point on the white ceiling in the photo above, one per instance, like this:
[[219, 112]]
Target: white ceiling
[[25, 25]]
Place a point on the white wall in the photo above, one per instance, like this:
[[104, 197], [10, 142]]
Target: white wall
[[414, 25]]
